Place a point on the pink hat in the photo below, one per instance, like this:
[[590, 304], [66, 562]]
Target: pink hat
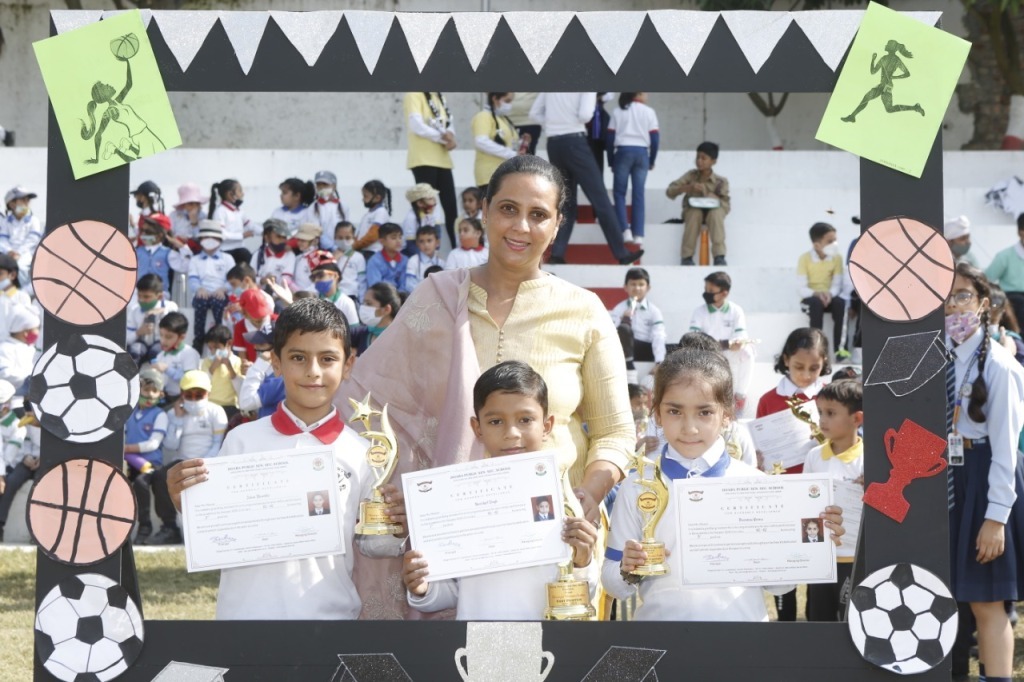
[[189, 193]]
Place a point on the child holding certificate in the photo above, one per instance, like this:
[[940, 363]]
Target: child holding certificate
[[312, 353], [840, 405], [510, 402], [693, 403]]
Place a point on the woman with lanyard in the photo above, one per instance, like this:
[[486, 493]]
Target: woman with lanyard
[[431, 136], [494, 136]]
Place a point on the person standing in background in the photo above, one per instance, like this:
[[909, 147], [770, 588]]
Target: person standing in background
[[522, 102], [431, 136]]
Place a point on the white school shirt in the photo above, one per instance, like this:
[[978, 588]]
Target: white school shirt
[[181, 225], [648, 324], [235, 225], [21, 234], [664, 597], [375, 216], [838, 470], [13, 436], [633, 126], [737, 436], [293, 217], [274, 265], [353, 273], [562, 113], [196, 435], [136, 317], [210, 272], [466, 258], [249, 389], [302, 274], [16, 361], [728, 323], [411, 223], [346, 306], [177, 364], [305, 589], [1004, 412], [416, 271], [327, 213]]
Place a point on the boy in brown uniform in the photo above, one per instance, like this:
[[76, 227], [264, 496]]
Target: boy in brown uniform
[[700, 185]]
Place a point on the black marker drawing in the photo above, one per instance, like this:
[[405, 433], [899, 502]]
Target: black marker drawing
[[137, 140], [892, 68]]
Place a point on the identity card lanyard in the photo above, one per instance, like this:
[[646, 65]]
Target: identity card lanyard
[[955, 441]]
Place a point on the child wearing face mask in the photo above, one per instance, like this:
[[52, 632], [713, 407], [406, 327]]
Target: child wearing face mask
[[18, 351], [260, 390], [472, 249], [377, 200], [255, 311], [175, 356], [307, 241], [380, 305], [224, 367], [351, 263], [152, 254], [11, 294], [724, 320], [196, 429], [21, 230], [422, 213], [225, 208], [328, 210], [494, 136], [275, 262], [143, 440], [207, 279], [821, 273], [144, 314], [326, 277]]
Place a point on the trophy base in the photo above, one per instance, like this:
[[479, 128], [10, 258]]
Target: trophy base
[[655, 560], [569, 599], [374, 519]]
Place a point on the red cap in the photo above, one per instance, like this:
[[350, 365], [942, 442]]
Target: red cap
[[254, 304], [160, 219]]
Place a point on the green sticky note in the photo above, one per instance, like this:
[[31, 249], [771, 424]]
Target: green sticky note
[[107, 93], [893, 90]]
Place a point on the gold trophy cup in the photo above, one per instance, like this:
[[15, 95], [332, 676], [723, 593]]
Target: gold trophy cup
[[382, 456], [569, 598], [652, 503], [805, 416]]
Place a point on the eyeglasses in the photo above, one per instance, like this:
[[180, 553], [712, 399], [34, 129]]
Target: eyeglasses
[[960, 297]]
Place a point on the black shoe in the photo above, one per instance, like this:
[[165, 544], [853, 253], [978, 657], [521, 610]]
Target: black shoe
[[1, 532], [142, 534], [556, 260], [168, 535], [686, 261], [720, 260], [632, 258]]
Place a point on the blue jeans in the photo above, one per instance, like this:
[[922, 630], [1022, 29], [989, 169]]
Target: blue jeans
[[631, 165], [573, 158]]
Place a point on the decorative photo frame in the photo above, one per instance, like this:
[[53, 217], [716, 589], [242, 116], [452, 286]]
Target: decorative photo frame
[[666, 51]]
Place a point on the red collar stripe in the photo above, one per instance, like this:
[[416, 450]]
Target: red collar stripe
[[326, 433]]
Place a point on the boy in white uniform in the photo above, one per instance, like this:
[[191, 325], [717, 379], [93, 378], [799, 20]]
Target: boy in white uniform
[[510, 402], [21, 230], [312, 352], [641, 325]]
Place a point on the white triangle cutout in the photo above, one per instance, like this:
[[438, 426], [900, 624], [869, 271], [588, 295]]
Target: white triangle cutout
[[684, 33], [147, 14], [613, 34], [422, 29], [927, 18], [184, 32], [538, 33], [475, 30], [65, 20], [245, 31], [370, 30], [757, 33], [830, 32], [308, 32]]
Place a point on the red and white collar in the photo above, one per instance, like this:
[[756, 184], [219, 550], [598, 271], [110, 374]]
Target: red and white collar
[[389, 259], [325, 430], [475, 248]]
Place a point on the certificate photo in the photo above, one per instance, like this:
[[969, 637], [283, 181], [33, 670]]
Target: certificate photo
[[319, 503]]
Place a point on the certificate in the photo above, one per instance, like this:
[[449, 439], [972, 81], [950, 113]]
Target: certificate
[[754, 531], [488, 515], [781, 437], [849, 496], [263, 507]]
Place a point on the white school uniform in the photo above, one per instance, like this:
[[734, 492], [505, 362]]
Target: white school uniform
[[633, 126], [353, 274], [196, 435], [327, 213], [838, 470], [293, 217], [178, 363], [209, 271], [276, 266], [416, 270], [466, 258], [728, 323], [648, 325], [305, 589], [375, 216], [412, 223], [302, 274], [136, 317], [23, 236], [235, 225], [16, 361]]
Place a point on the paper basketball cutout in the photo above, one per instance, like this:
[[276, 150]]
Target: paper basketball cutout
[[125, 47], [84, 273], [902, 269], [903, 618], [84, 387], [81, 511], [88, 628]]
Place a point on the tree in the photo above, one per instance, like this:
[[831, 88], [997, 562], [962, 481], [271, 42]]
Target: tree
[[996, 22]]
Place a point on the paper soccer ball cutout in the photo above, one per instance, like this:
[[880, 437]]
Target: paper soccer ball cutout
[[88, 628], [84, 388], [903, 618]]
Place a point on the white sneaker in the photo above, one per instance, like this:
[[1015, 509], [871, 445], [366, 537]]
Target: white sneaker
[[627, 236], [639, 241]]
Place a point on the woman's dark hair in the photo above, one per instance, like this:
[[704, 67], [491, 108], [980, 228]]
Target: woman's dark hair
[[377, 188], [511, 376], [218, 191], [805, 338], [626, 98], [1002, 311], [305, 189], [491, 96], [699, 341], [687, 364], [530, 165], [478, 226], [385, 293], [979, 389]]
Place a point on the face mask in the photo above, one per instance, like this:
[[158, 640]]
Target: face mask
[[140, 204], [504, 109], [146, 307], [31, 338], [209, 244], [708, 297], [831, 251], [959, 249], [238, 203], [961, 326], [221, 353], [193, 407], [325, 193], [4, 283], [237, 292], [368, 314], [369, 204], [149, 239], [345, 244], [21, 210], [145, 402], [278, 248], [323, 286]]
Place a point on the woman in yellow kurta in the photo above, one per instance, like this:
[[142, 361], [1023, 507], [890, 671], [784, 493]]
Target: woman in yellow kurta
[[430, 133], [458, 323], [494, 136]]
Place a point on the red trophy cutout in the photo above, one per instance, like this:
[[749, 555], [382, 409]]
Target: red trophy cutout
[[915, 452]]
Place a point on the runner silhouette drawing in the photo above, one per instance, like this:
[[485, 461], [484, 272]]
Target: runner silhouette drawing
[[892, 68]]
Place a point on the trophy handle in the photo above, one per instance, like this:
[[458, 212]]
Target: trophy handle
[[461, 653], [890, 442], [550, 658]]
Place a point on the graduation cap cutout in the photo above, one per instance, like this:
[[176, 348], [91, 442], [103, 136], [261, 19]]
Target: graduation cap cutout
[[369, 668], [626, 664], [907, 363], [190, 672]]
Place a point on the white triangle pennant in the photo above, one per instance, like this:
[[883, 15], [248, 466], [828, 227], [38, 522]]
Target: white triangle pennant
[[422, 29], [757, 33], [475, 30], [147, 14], [65, 20], [538, 33], [370, 30], [927, 18], [684, 33], [613, 34], [308, 32], [245, 31], [830, 31], [184, 32]]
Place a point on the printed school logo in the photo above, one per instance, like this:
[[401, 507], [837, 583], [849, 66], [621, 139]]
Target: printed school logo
[[696, 495], [318, 464], [814, 492], [541, 469], [425, 486]]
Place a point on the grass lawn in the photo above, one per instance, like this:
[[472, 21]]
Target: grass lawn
[[168, 593]]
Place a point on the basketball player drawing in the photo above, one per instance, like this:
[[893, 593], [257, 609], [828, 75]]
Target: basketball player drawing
[[892, 68], [137, 140]]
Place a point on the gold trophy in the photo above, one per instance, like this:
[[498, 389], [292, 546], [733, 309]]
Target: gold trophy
[[805, 416], [652, 503], [382, 456], [569, 598]]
